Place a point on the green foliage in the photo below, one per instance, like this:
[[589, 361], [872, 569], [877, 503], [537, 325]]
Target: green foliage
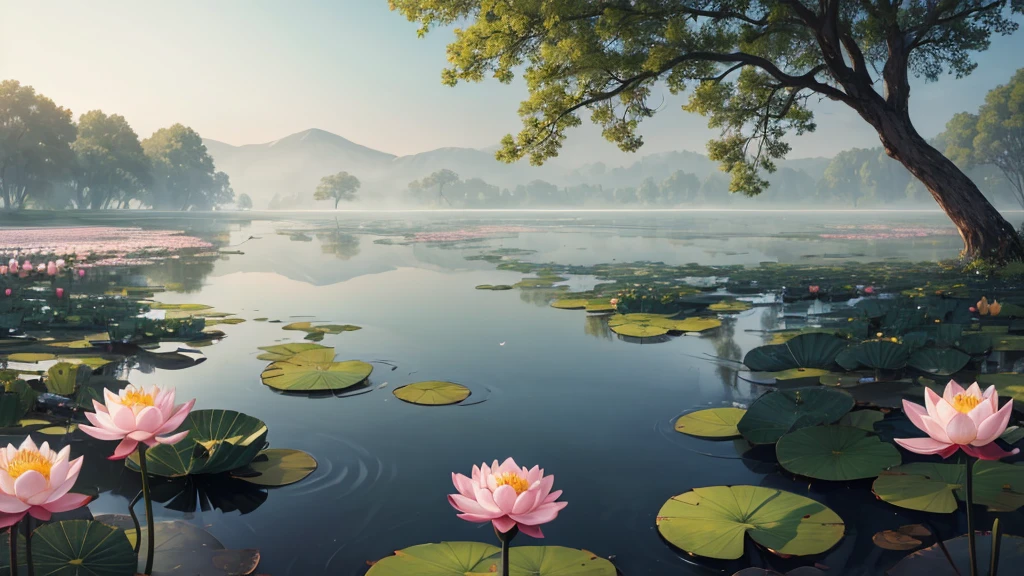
[[814, 350], [835, 453], [432, 393], [711, 422], [244, 202], [112, 169], [936, 487], [781, 411], [337, 187], [184, 176], [75, 548]]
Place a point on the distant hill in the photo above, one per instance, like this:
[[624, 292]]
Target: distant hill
[[292, 166]]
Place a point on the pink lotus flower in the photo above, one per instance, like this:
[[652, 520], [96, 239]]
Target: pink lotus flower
[[26, 267], [60, 293], [959, 419], [13, 264], [507, 496], [137, 415], [51, 269], [813, 289], [59, 263], [36, 481], [869, 290], [8, 292], [81, 272]]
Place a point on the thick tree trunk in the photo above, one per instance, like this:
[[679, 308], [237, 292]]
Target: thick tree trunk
[[986, 234]]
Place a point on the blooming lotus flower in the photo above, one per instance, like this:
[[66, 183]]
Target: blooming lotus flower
[[959, 419], [995, 308], [41, 268], [869, 290], [137, 415], [814, 289], [81, 272], [36, 481], [51, 269], [26, 267], [60, 263], [60, 293], [507, 496]]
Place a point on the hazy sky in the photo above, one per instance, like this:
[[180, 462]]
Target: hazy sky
[[251, 71]]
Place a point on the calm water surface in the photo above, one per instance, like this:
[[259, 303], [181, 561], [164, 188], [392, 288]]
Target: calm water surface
[[562, 392]]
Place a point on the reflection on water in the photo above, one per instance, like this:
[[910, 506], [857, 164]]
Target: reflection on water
[[592, 408]]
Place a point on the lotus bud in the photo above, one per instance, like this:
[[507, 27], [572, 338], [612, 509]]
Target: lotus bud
[[26, 267], [51, 269], [81, 272], [8, 292], [813, 289], [983, 306], [60, 292], [995, 308], [13, 264], [869, 290]]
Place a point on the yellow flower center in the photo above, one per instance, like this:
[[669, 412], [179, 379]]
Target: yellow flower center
[[965, 402], [25, 460], [517, 482], [133, 398]]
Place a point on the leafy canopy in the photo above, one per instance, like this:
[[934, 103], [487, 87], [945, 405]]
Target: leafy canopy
[[752, 65], [337, 187]]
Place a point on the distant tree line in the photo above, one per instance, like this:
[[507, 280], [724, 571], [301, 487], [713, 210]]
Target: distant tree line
[[48, 161]]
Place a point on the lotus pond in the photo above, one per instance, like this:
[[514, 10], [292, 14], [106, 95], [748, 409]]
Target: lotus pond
[[712, 391]]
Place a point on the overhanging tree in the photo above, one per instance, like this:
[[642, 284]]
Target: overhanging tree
[[752, 66]]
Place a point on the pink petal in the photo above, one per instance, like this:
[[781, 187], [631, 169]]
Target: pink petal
[[484, 498], [952, 389], [469, 506], [989, 392], [945, 412], [122, 416], [994, 426], [981, 412], [463, 485], [531, 531], [915, 412], [542, 515], [11, 505], [59, 472], [100, 433], [989, 451], [124, 449], [974, 390], [527, 500], [474, 518], [505, 498], [149, 419], [503, 523], [931, 399], [172, 439], [534, 475], [177, 418], [552, 497], [67, 502], [546, 484], [103, 420], [29, 484], [961, 429], [922, 445], [935, 430], [7, 520], [39, 513], [140, 435]]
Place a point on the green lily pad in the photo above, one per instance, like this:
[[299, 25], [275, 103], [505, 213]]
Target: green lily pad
[[876, 355], [730, 306], [184, 548], [309, 327], [315, 371], [30, 357], [835, 453], [650, 325], [286, 351], [781, 411], [933, 561], [811, 350], [432, 393], [711, 422], [467, 558], [938, 361], [712, 522], [494, 287], [185, 307], [792, 377], [863, 419], [1012, 434], [229, 321], [76, 548], [217, 441], [277, 467], [64, 378], [935, 487]]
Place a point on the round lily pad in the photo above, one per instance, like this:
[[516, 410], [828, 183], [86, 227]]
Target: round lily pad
[[321, 328], [711, 423], [863, 419], [494, 287], [935, 487], [315, 371], [461, 558], [30, 357], [277, 467], [934, 562], [812, 350], [650, 325], [835, 453], [432, 393], [876, 355], [77, 547], [570, 304], [781, 411], [286, 351], [938, 361], [712, 521], [730, 306]]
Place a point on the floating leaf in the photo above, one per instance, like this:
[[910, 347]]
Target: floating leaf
[[835, 453], [730, 306], [711, 422], [574, 304], [935, 487], [933, 561], [712, 521], [863, 419], [466, 558], [315, 371], [813, 350], [938, 361], [30, 357], [554, 561], [76, 548], [793, 376], [432, 393], [494, 287], [781, 411], [903, 538], [1013, 434], [277, 467], [321, 328], [185, 307], [650, 325], [876, 355], [217, 441], [286, 351], [63, 378]]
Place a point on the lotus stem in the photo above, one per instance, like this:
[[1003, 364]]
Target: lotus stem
[[14, 548], [135, 520], [28, 547], [972, 547], [151, 532], [506, 538], [997, 538]]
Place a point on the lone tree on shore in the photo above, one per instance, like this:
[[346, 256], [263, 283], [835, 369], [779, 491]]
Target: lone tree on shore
[[752, 66], [441, 178], [340, 186]]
